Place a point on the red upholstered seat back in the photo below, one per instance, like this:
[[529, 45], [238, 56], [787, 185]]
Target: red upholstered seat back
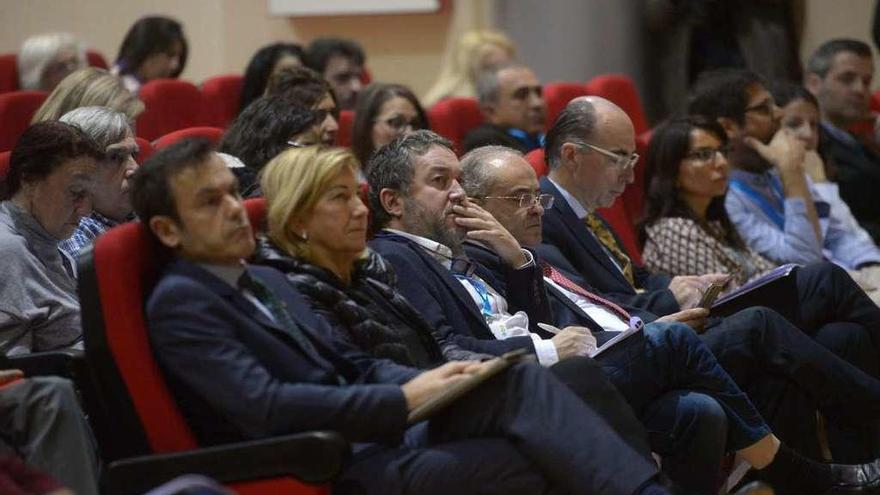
[[557, 95], [256, 210], [4, 164], [622, 91], [622, 225], [146, 150], [212, 133], [346, 123], [452, 118], [16, 110], [536, 160], [222, 95], [170, 105], [634, 195], [8, 72], [95, 59]]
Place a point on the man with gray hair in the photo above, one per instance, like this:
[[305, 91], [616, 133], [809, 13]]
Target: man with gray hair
[[110, 199], [839, 74], [512, 102]]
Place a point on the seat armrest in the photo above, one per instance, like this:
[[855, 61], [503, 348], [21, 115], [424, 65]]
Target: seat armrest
[[68, 363], [313, 457]]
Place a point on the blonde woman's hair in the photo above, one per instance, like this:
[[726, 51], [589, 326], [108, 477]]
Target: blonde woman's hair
[[292, 184], [37, 52], [89, 87], [462, 65]]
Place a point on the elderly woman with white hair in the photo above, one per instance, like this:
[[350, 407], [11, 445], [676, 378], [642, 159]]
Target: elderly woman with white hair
[[110, 199], [44, 60]]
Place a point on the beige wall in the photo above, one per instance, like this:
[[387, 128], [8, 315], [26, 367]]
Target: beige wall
[[826, 19], [223, 34]]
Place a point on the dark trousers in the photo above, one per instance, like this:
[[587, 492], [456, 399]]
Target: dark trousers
[[523, 431]]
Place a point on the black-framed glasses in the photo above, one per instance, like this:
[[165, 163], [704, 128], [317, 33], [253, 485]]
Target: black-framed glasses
[[624, 161], [529, 200], [399, 122], [708, 155]]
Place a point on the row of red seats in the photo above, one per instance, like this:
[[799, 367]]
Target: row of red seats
[[9, 68]]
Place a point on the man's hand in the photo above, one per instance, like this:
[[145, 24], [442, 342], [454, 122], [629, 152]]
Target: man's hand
[[574, 341], [814, 166], [694, 318], [687, 290], [785, 151], [428, 384], [483, 227], [7, 376]]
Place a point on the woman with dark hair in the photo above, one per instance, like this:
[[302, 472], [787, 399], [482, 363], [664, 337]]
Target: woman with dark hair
[[153, 48], [47, 191], [268, 61], [268, 126], [383, 112]]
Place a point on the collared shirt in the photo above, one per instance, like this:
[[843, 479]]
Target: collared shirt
[[491, 304], [89, 228], [609, 321], [231, 274], [839, 134]]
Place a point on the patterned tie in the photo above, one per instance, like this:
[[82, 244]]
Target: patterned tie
[[604, 235], [278, 309], [557, 276]]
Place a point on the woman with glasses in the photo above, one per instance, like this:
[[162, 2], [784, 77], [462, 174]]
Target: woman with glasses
[[383, 112]]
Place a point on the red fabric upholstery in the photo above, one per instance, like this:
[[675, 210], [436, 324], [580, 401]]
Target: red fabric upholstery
[[366, 76], [256, 210], [96, 59], [346, 123], [222, 95], [622, 91], [536, 160], [146, 150], [170, 105], [634, 196], [212, 133], [452, 118], [4, 164], [16, 110], [557, 95], [622, 225], [8, 73]]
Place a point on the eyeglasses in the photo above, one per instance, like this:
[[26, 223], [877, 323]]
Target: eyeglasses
[[708, 155], [625, 162], [399, 122], [529, 200], [764, 108], [321, 114], [295, 144]]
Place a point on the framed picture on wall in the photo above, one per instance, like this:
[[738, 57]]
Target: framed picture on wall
[[351, 7]]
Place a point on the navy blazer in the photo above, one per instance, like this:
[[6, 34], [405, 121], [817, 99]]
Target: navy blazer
[[564, 230], [238, 375], [441, 298]]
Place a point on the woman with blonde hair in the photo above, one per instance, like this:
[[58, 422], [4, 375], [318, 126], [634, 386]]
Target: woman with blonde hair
[[89, 87], [474, 52]]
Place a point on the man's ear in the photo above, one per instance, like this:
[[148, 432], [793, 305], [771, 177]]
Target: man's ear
[[167, 230], [731, 127], [392, 202], [813, 83], [567, 153], [488, 110]]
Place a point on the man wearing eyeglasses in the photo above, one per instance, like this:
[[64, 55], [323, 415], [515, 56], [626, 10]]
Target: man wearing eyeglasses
[[512, 101]]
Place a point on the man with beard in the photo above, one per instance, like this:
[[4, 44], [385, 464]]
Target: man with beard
[[511, 99]]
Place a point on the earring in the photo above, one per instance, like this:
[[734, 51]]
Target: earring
[[304, 236]]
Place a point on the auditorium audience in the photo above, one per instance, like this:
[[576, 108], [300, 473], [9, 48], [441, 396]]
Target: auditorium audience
[[474, 51], [305, 87], [341, 63], [89, 87], [222, 330], [44, 60], [839, 74], [267, 62], [268, 126], [383, 112], [110, 200], [512, 103], [47, 191], [153, 48]]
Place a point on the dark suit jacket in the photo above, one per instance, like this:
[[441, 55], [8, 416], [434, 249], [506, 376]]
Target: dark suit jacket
[[491, 134], [857, 173], [573, 240], [440, 297], [238, 375]]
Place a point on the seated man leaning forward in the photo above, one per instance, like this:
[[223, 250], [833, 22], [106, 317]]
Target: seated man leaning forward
[[246, 358]]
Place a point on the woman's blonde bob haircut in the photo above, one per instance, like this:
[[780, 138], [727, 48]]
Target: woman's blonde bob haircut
[[89, 87], [293, 183]]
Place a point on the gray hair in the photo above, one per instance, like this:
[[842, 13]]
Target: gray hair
[[392, 167], [820, 60], [106, 126], [477, 178], [488, 87], [575, 123], [39, 51]]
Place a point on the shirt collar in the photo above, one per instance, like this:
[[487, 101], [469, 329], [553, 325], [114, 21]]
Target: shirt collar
[[838, 133], [227, 273], [575, 205], [439, 252]]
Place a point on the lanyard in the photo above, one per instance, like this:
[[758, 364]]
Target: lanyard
[[531, 142], [760, 200], [482, 293]]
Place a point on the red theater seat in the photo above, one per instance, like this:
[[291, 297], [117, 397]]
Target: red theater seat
[[536, 160], [346, 122], [146, 150], [622, 225], [452, 118], [170, 105], [95, 59], [149, 440], [622, 91], [16, 110], [212, 133], [4, 164], [8, 73], [557, 95], [222, 95]]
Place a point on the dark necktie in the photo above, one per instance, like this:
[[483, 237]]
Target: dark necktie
[[604, 235], [279, 312], [557, 276]]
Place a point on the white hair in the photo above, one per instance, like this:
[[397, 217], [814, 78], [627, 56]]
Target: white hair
[[37, 52], [105, 125]]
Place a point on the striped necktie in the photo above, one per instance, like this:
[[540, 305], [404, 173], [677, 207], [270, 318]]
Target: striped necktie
[[555, 275], [278, 309], [604, 235]]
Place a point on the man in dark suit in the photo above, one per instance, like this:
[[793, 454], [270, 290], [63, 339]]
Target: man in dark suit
[[512, 102], [246, 358]]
